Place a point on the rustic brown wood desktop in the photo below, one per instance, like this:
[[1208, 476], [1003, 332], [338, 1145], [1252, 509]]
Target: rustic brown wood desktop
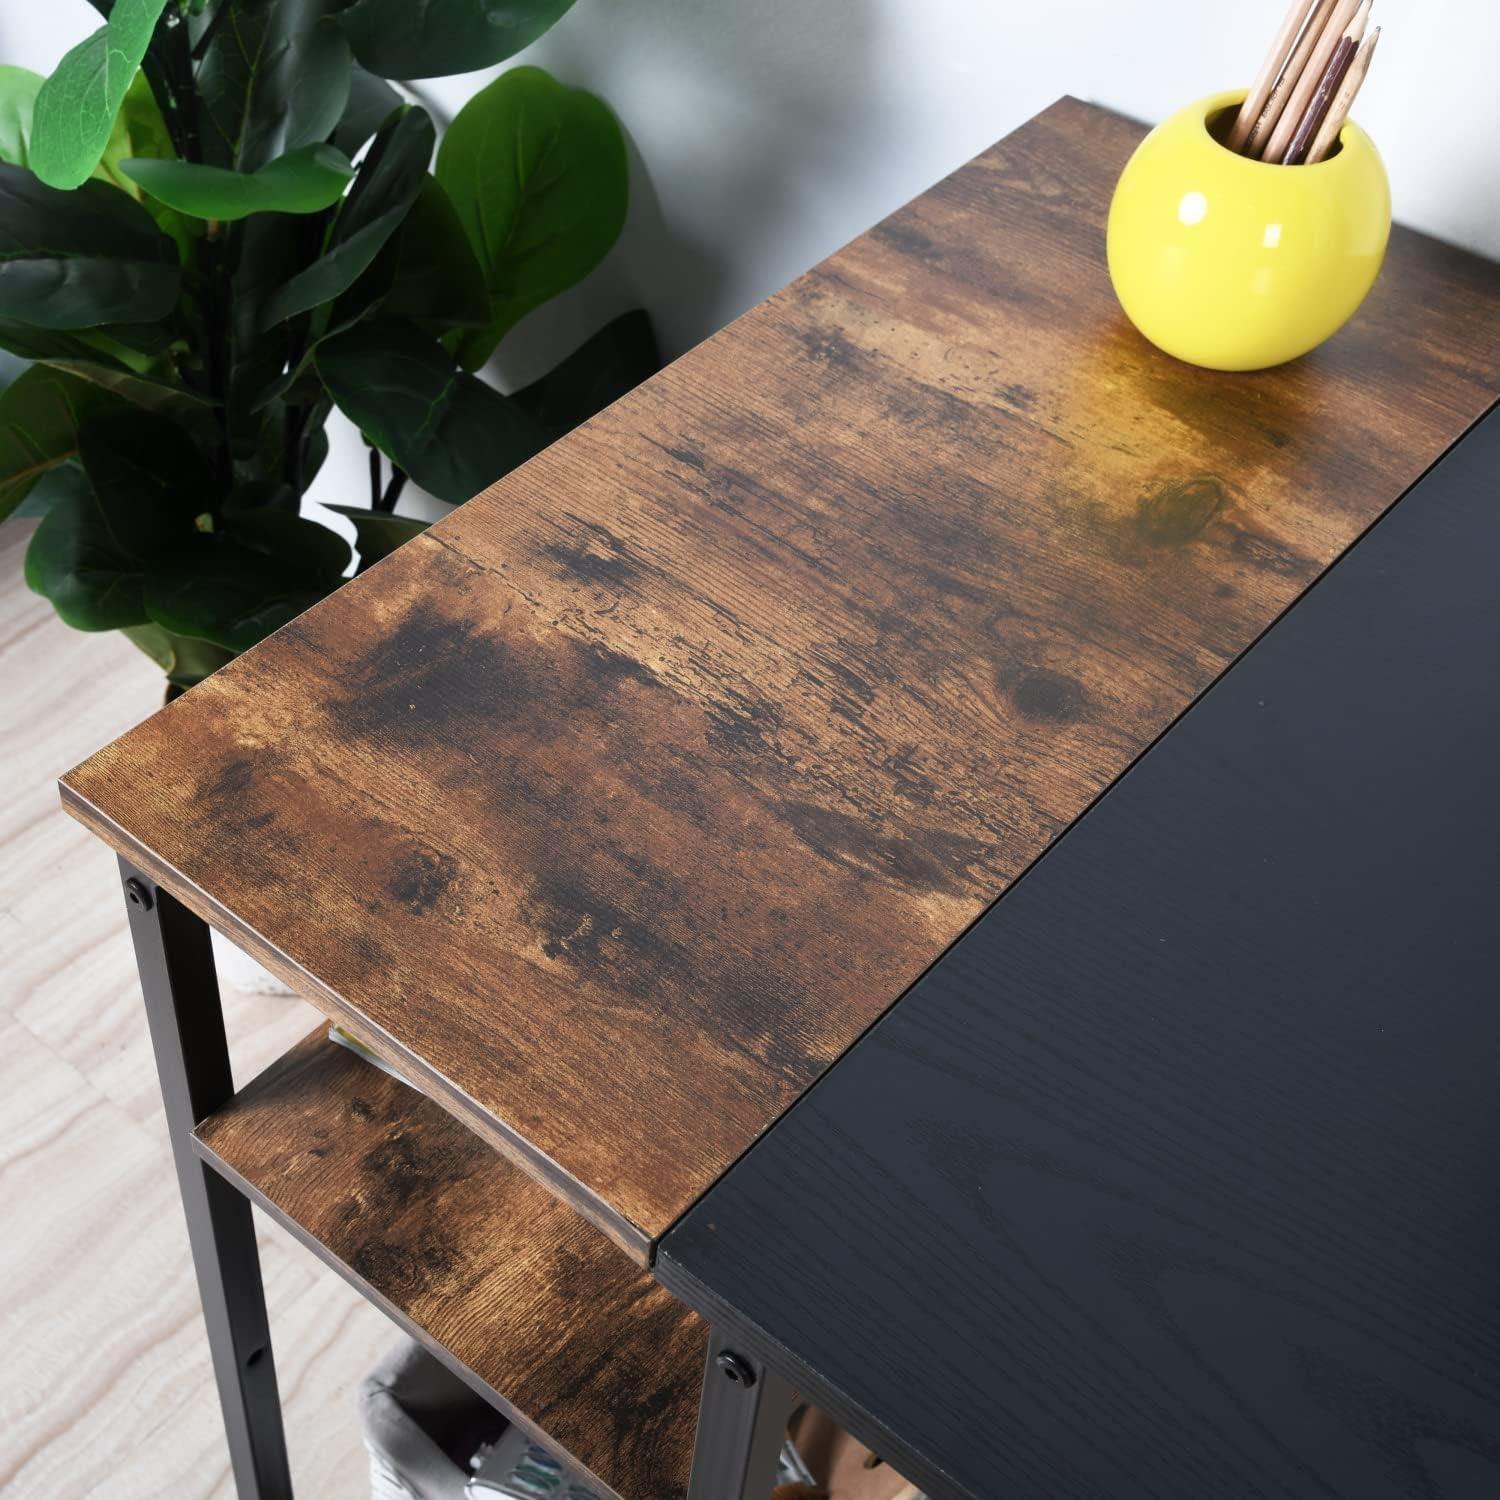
[[616, 807]]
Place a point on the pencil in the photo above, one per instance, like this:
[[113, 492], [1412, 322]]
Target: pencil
[[1270, 71], [1343, 54], [1281, 91], [1307, 84], [1343, 101], [1328, 86]]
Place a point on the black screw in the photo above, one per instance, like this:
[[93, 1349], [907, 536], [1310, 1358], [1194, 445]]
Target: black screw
[[137, 894], [737, 1369]]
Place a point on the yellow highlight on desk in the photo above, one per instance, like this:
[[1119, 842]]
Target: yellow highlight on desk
[[1238, 264]]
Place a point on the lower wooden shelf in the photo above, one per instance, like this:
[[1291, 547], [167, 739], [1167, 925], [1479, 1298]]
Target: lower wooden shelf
[[536, 1307]]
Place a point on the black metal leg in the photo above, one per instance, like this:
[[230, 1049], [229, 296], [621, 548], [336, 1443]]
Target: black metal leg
[[192, 1058], [741, 1425]]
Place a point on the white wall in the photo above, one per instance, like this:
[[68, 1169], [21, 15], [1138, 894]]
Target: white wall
[[768, 132], [771, 131]]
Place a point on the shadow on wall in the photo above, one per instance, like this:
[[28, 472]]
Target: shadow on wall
[[734, 116]]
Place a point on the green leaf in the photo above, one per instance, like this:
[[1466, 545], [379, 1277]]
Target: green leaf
[[89, 344], [76, 560], [149, 478], [538, 175], [601, 370], [192, 413], [119, 338], [82, 258], [301, 182], [312, 553], [45, 343], [261, 494], [371, 100], [214, 588], [16, 117], [76, 106], [42, 412], [258, 441], [377, 534], [435, 280], [145, 484], [40, 417], [266, 251], [425, 272], [452, 433], [185, 661], [275, 77], [141, 121], [432, 38], [388, 180], [18, 90]]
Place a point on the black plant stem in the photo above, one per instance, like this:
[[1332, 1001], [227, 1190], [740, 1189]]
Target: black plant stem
[[217, 251], [160, 79], [374, 477], [168, 65], [393, 490]]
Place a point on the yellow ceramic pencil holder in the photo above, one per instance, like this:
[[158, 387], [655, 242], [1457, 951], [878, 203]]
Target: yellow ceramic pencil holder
[[1239, 264]]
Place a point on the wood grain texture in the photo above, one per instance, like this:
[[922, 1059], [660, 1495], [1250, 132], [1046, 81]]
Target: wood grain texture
[[1176, 1177], [623, 800], [550, 1318]]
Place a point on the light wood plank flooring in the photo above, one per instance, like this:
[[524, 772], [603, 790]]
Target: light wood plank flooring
[[105, 1385]]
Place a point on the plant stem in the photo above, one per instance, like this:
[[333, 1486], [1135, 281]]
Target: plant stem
[[393, 490], [168, 66], [221, 357], [374, 477], [160, 79]]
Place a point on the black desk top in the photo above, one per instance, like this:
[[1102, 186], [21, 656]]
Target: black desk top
[[1179, 1175]]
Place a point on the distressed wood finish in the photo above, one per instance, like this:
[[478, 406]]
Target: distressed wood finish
[[552, 1320], [621, 802]]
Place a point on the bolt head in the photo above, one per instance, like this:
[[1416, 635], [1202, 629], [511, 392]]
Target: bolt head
[[736, 1369], [137, 894]]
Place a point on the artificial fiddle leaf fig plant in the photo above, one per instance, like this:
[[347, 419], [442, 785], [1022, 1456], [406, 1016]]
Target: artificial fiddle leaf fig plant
[[218, 222]]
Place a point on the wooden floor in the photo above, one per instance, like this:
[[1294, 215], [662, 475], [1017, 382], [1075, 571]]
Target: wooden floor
[[105, 1386]]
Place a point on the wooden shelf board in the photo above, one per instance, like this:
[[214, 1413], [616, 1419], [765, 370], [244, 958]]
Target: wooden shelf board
[[536, 1307]]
